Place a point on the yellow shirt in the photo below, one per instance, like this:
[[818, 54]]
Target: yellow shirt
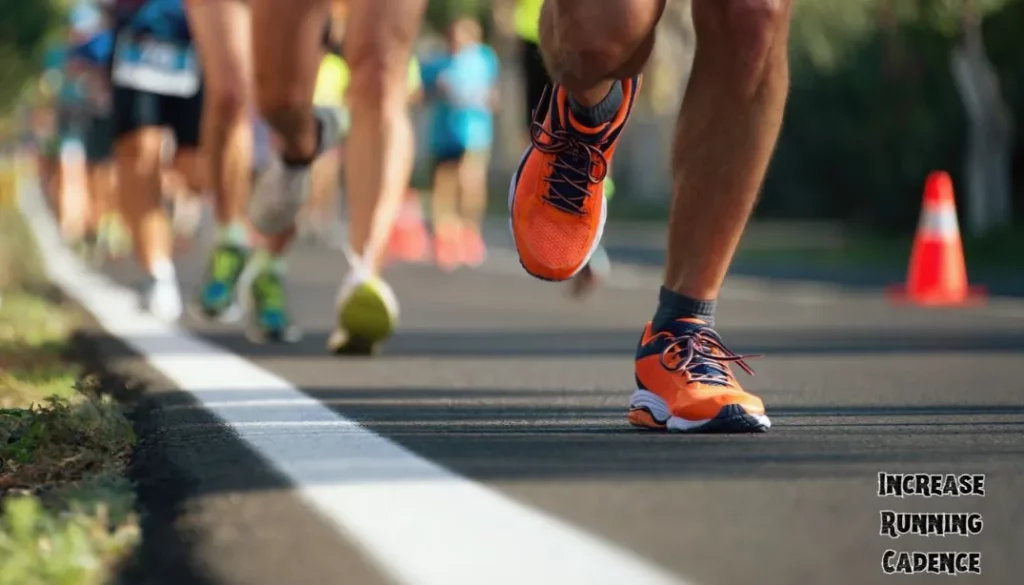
[[331, 81], [528, 19], [334, 77]]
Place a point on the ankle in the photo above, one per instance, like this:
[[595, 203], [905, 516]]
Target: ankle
[[163, 271], [597, 106], [673, 306], [233, 233]]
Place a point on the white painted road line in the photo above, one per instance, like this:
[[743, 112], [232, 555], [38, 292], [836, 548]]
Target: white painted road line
[[422, 524]]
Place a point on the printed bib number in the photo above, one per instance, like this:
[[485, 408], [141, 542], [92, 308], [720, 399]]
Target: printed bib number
[[153, 66]]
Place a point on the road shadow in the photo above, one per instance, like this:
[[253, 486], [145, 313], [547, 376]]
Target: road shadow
[[521, 435], [621, 343], [186, 455]]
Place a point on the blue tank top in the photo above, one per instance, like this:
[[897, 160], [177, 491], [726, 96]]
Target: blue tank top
[[164, 19]]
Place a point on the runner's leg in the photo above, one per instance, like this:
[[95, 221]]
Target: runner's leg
[[473, 205], [138, 142], [378, 46], [287, 52], [445, 210], [221, 30], [727, 128]]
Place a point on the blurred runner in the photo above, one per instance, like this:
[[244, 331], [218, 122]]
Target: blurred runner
[[44, 129], [182, 200], [527, 27], [462, 87], [726, 131], [378, 45], [236, 277], [157, 86], [90, 62], [68, 177], [410, 240]]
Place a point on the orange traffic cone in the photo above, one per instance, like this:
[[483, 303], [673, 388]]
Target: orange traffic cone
[[937, 275]]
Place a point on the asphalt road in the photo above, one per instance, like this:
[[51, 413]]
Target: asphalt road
[[508, 382]]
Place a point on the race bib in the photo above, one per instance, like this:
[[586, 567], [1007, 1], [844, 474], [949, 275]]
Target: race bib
[[155, 66]]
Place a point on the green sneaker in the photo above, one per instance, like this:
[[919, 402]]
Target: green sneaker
[[367, 316], [270, 321], [218, 295]]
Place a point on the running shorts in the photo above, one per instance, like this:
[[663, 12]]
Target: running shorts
[[456, 154], [99, 139], [167, 94]]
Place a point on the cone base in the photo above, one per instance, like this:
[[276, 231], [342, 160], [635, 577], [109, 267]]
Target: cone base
[[975, 296]]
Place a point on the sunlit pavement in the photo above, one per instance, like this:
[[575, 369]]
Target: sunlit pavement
[[510, 383]]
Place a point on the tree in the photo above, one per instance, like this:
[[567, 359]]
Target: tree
[[990, 135], [25, 29], [885, 91]]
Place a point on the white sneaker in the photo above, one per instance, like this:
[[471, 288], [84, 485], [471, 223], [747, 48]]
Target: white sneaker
[[162, 299], [367, 314], [281, 191]]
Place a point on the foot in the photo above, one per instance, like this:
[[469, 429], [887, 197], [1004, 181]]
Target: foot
[[367, 315], [282, 190], [474, 250], [218, 294], [684, 383], [409, 240], [161, 299], [271, 321], [448, 247], [556, 199], [592, 275]]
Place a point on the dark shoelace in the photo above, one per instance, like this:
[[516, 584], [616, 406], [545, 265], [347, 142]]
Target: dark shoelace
[[703, 356], [569, 183]]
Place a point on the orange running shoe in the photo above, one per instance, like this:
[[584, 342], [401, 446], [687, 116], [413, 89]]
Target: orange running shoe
[[556, 199], [684, 383], [448, 248], [474, 250]]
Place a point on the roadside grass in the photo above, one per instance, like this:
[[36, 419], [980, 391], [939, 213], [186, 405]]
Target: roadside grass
[[67, 511]]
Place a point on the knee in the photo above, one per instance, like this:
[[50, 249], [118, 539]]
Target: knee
[[379, 78], [745, 27], [590, 40], [227, 100], [138, 152], [740, 35], [276, 101]]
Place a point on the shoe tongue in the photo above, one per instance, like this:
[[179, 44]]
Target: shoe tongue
[[702, 365]]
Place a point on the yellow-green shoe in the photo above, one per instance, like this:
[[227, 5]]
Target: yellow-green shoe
[[367, 316]]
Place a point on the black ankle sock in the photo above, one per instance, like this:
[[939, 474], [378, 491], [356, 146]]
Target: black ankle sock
[[299, 163], [673, 306], [601, 113]]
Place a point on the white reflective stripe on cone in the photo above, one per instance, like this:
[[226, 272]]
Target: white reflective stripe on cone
[[941, 223]]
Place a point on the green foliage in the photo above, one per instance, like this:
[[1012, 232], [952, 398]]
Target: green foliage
[[68, 513], [441, 12], [873, 106], [25, 28], [78, 547]]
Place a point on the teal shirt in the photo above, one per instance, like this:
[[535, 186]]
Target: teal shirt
[[463, 120]]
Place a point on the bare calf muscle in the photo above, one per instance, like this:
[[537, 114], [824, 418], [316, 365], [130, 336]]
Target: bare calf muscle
[[287, 47], [221, 32]]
